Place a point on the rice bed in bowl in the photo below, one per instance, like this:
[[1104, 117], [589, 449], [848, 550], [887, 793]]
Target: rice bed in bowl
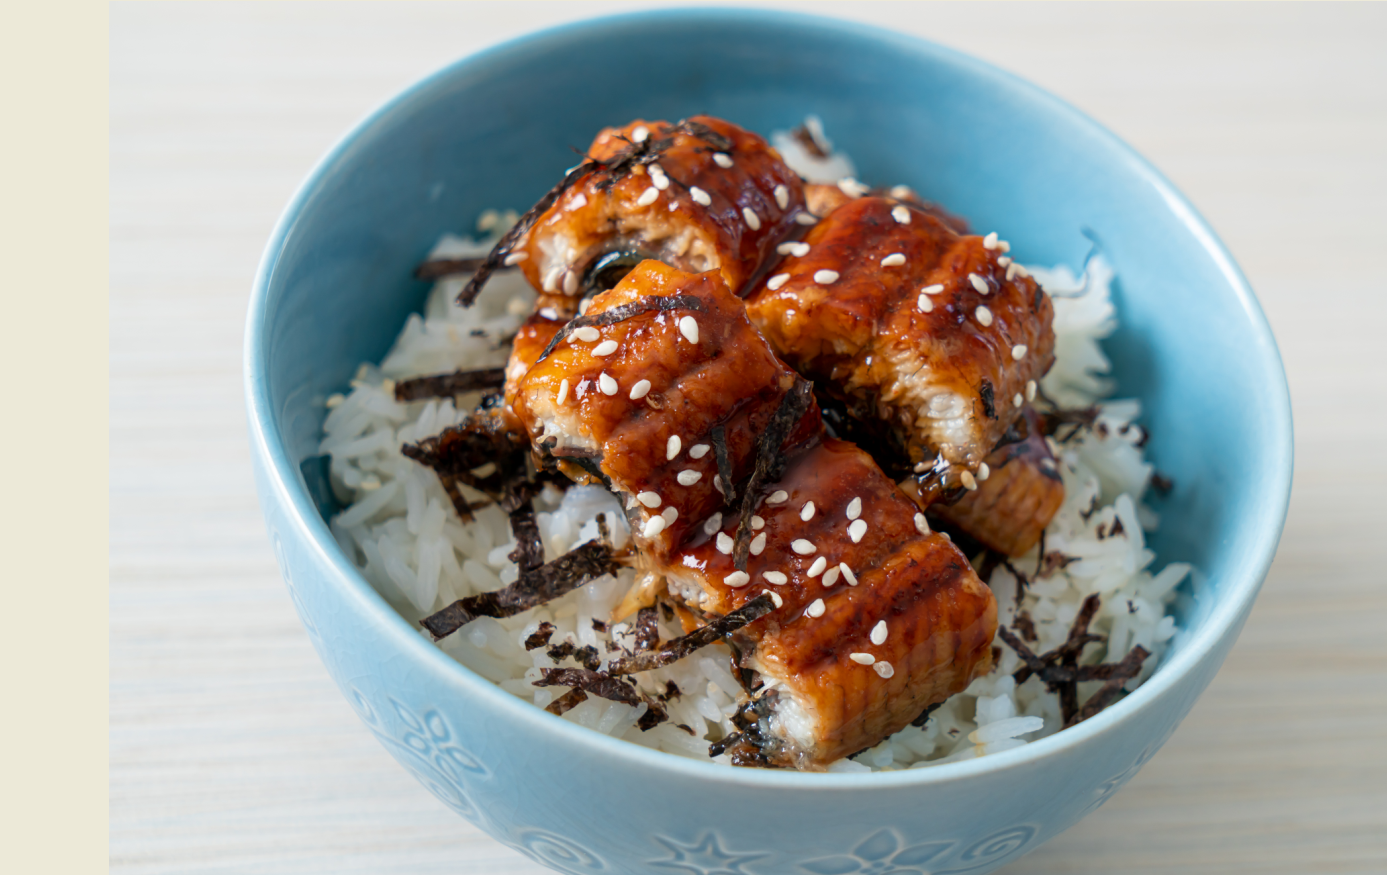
[[400, 528]]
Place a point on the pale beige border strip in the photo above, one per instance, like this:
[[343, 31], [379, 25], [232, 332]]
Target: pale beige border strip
[[54, 645]]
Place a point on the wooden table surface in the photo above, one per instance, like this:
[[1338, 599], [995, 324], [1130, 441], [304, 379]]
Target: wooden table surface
[[231, 751]]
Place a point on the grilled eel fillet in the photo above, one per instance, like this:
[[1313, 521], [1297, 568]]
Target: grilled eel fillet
[[936, 334], [699, 195]]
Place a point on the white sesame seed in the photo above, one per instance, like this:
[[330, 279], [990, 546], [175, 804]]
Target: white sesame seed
[[335, 400], [737, 578], [818, 567], [700, 196], [969, 481], [722, 159], [670, 514], [1004, 246], [857, 530], [924, 303], [779, 496], [901, 191], [824, 277], [606, 347], [607, 384], [725, 543], [640, 134], [1004, 260], [549, 313], [758, 544], [847, 574], [1018, 352], [851, 187], [862, 658], [515, 258], [587, 334], [648, 197], [895, 259], [689, 477], [1011, 271], [854, 508], [688, 326], [570, 283], [775, 598], [777, 281], [934, 289], [805, 218], [698, 451], [983, 472], [775, 578], [984, 316], [901, 214], [712, 524], [658, 177], [650, 499], [816, 608], [653, 526], [563, 391], [990, 241], [583, 306], [802, 547], [979, 284], [757, 523], [883, 669], [782, 196], [878, 636], [717, 484], [921, 524], [753, 221], [672, 447], [806, 513], [1030, 390], [551, 279], [831, 576], [1017, 400], [799, 249]]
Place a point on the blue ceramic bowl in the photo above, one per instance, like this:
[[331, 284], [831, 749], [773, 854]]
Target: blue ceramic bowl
[[494, 130]]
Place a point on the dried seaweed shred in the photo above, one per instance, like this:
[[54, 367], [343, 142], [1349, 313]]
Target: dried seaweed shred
[[677, 649], [495, 259], [590, 681], [540, 636], [621, 313], [546, 583], [449, 385], [647, 629], [718, 435], [437, 267], [567, 702], [770, 460]]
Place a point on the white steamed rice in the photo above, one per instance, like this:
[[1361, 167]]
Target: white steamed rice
[[400, 528]]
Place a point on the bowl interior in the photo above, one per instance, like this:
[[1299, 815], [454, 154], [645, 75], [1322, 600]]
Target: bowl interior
[[495, 131]]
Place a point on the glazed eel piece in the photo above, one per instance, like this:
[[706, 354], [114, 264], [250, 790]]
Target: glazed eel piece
[[699, 195], [938, 337], [876, 618]]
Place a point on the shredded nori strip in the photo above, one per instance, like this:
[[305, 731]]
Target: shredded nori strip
[[448, 385], [587, 657], [677, 649], [724, 475], [647, 630], [599, 626], [1161, 483], [561, 651], [540, 636], [989, 402], [1023, 623], [590, 681], [924, 715], [529, 549], [1060, 669], [716, 748], [770, 460], [567, 702], [621, 313], [656, 713], [437, 267], [546, 583], [495, 259]]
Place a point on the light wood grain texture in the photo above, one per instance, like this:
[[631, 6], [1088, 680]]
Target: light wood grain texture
[[231, 751]]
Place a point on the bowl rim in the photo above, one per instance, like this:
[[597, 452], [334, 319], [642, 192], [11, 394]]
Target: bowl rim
[[283, 481]]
